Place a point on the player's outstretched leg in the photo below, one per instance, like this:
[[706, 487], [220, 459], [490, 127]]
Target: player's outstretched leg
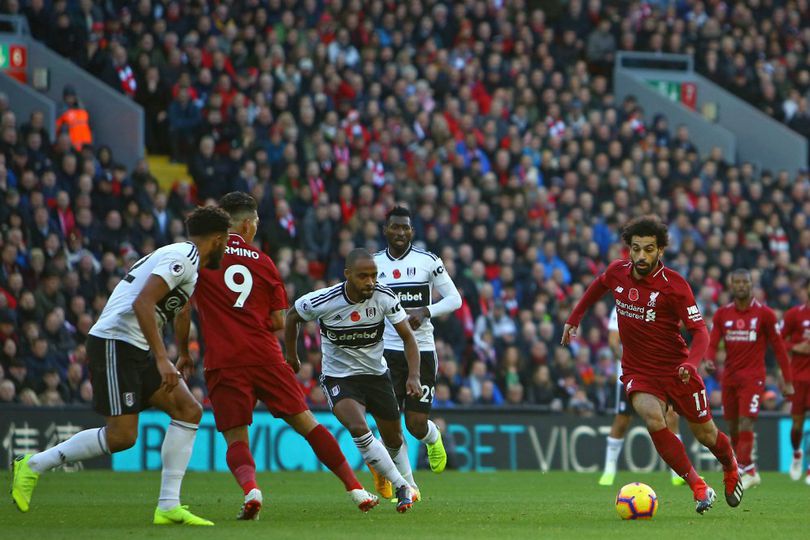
[[375, 455], [328, 451], [673, 423], [86, 444]]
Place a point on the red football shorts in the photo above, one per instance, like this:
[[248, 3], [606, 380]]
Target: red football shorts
[[742, 399], [801, 398], [689, 400], [233, 393]]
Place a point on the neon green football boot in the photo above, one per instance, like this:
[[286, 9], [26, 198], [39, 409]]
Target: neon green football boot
[[23, 482], [437, 456], [179, 515]]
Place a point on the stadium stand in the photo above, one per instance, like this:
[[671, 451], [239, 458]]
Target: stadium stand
[[495, 124]]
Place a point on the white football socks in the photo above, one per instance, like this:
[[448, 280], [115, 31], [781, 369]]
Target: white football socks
[[432, 434], [86, 444], [612, 453], [375, 455], [400, 458], [175, 454]]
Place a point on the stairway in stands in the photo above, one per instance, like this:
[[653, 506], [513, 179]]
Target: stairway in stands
[[166, 172]]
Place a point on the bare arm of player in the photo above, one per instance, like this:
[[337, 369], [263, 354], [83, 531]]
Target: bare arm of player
[[413, 386], [291, 339], [182, 329], [144, 308]]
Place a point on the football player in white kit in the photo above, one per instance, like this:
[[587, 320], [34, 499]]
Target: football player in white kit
[[354, 375], [624, 413], [131, 370], [413, 274]]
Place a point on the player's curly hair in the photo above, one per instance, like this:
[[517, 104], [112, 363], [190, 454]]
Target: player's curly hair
[[207, 220], [646, 226]]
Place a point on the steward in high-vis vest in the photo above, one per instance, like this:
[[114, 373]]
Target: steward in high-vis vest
[[75, 119]]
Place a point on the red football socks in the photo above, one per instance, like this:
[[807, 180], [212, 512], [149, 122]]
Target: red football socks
[[744, 447], [241, 464], [796, 439], [326, 448], [673, 452], [724, 453]]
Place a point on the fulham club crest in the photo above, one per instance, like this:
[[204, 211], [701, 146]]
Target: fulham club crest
[[411, 271], [371, 312], [633, 295]]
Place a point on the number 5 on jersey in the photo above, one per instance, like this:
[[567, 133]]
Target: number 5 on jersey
[[245, 285]]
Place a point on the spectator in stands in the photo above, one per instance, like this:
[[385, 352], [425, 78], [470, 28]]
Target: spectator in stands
[[184, 121]]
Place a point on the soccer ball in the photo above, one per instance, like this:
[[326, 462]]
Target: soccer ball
[[636, 501]]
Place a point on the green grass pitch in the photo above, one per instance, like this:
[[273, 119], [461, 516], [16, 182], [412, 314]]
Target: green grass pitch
[[501, 506]]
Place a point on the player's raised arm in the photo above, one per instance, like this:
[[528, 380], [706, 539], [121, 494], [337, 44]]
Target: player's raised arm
[[771, 327], [144, 308], [593, 293], [412, 386], [182, 329]]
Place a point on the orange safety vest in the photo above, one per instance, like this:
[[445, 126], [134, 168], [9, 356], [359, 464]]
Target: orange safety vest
[[78, 125]]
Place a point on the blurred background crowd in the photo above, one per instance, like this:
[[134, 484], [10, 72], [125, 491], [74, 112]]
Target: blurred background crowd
[[493, 121]]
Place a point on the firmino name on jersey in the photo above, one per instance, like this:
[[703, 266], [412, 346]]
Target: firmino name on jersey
[[241, 252]]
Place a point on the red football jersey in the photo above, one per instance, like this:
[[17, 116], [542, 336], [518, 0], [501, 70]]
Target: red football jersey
[[234, 304], [650, 311], [796, 329], [746, 334]]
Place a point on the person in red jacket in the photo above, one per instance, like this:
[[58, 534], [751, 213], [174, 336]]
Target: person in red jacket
[[746, 326], [658, 368]]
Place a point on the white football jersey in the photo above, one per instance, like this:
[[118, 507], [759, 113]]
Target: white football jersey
[[177, 264], [351, 333], [412, 277]]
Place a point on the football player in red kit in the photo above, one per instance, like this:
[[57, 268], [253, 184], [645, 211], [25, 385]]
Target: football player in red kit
[[241, 306], [796, 333], [746, 326], [658, 368]]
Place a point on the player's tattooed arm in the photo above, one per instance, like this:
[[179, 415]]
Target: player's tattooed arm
[[291, 339], [413, 385]]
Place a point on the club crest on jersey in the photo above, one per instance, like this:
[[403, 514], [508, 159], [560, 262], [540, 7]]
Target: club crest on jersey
[[653, 298], [129, 399], [396, 273], [754, 323], [354, 316], [633, 295], [371, 312], [740, 324], [411, 271]]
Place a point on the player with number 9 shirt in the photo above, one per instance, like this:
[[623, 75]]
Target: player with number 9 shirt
[[241, 306]]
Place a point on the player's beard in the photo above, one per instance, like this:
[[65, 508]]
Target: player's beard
[[645, 270]]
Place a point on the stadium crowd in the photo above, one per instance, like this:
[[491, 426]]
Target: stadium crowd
[[493, 121]]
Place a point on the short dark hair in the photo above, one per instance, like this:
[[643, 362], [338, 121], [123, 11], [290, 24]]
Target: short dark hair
[[646, 226], [745, 272], [399, 211], [207, 220], [238, 202], [357, 254]]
